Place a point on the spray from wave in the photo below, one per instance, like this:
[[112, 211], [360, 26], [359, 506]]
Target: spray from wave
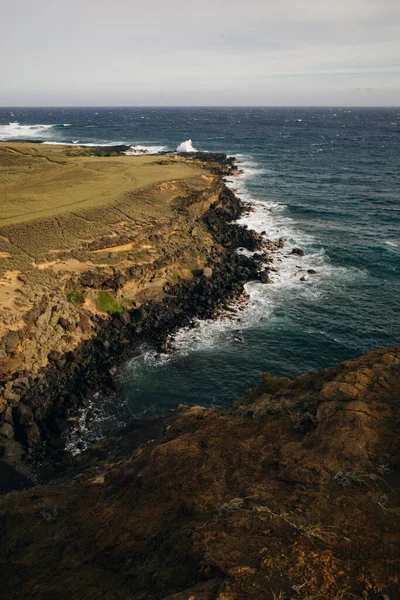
[[186, 146]]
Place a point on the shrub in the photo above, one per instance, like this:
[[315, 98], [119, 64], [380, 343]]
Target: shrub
[[75, 297]]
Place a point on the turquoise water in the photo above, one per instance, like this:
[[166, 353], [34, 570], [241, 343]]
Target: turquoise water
[[325, 179]]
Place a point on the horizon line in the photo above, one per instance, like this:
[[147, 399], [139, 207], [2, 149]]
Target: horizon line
[[15, 106]]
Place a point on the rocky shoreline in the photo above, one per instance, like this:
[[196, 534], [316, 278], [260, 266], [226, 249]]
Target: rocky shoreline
[[38, 410]]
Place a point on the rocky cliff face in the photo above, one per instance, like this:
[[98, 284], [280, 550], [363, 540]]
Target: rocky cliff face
[[292, 494]]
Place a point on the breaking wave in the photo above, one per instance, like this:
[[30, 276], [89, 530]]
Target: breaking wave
[[186, 146], [139, 149], [16, 131]]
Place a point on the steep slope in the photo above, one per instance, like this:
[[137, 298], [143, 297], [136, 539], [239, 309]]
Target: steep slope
[[293, 494]]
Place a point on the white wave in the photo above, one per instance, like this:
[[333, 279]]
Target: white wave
[[86, 144], [297, 278], [186, 146], [139, 149], [15, 130]]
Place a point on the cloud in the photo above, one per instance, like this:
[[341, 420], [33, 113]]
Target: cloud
[[211, 52]]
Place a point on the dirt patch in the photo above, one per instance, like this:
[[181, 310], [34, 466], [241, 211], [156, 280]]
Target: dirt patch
[[71, 265], [9, 285]]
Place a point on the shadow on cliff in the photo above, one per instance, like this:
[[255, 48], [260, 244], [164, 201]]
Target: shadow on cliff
[[292, 494]]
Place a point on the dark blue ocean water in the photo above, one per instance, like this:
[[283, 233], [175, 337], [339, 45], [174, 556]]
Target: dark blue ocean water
[[326, 179]]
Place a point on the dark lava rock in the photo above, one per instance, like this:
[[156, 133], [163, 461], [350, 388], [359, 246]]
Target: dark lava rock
[[298, 251], [264, 276]]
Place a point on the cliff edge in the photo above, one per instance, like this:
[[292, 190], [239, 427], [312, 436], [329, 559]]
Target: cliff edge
[[292, 494]]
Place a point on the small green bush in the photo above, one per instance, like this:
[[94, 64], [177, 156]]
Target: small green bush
[[75, 297], [106, 303]]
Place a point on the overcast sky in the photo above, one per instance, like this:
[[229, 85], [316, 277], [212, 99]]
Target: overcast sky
[[207, 52]]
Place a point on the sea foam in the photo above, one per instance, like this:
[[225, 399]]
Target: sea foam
[[291, 282], [141, 149]]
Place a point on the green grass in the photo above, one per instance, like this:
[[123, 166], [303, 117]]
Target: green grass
[[106, 303], [75, 297]]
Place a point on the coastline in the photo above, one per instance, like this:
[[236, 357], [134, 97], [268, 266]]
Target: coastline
[[43, 406], [290, 493]]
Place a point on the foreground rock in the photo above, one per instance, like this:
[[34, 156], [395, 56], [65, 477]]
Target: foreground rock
[[292, 494]]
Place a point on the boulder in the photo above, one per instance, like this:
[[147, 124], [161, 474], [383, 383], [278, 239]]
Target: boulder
[[7, 431], [11, 341], [21, 383], [24, 415], [66, 325], [264, 276], [125, 317], [84, 323], [298, 251], [11, 396], [32, 433], [7, 415]]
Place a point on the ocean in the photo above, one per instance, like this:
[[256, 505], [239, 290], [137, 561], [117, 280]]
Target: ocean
[[327, 180]]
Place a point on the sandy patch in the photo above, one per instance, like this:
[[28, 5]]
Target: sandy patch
[[5, 255], [121, 248], [9, 285], [125, 248], [72, 266]]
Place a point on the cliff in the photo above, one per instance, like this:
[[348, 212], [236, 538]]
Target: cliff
[[291, 494], [98, 254]]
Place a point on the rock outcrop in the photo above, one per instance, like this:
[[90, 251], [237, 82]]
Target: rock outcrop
[[292, 494]]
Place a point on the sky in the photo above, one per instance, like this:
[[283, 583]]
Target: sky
[[208, 52]]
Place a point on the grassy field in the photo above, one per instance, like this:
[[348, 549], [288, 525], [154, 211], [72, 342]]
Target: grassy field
[[64, 213], [51, 200], [39, 181]]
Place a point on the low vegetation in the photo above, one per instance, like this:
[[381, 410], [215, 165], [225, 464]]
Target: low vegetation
[[106, 303], [75, 297]]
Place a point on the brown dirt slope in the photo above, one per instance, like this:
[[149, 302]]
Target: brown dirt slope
[[293, 494]]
